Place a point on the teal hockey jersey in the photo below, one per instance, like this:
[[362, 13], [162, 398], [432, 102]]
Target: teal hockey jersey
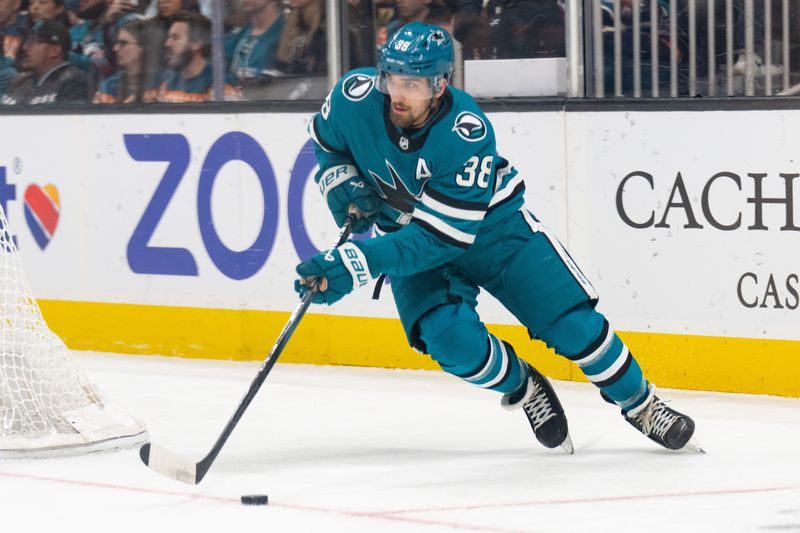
[[439, 185]]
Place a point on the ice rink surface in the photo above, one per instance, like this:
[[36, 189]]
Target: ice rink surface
[[370, 450]]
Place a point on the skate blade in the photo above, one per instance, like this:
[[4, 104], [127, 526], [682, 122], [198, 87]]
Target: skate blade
[[567, 445], [693, 446]]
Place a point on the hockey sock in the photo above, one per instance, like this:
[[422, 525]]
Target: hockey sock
[[461, 344], [608, 364], [500, 370]]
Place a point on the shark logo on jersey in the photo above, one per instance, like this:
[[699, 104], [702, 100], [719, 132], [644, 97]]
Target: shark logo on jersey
[[395, 192], [357, 87], [470, 126]]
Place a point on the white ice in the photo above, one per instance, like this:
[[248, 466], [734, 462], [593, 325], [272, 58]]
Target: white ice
[[368, 450]]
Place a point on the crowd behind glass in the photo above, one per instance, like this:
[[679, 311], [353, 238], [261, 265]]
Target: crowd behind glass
[[135, 51]]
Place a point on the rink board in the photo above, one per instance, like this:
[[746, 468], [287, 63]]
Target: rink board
[[178, 234]]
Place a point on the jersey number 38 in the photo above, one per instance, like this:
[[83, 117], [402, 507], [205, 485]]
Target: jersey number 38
[[475, 169]]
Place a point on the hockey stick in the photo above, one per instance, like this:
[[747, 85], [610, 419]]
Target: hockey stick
[[167, 463]]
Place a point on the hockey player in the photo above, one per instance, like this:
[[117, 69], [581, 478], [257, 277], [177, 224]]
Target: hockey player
[[417, 158]]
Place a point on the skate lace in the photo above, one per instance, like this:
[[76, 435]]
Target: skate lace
[[656, 418], [538, 407]]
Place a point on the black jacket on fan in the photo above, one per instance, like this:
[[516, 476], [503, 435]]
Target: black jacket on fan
[[64, 83]]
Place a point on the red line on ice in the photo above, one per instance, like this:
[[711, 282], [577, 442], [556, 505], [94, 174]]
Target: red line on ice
[[602, 499], [227, 499]]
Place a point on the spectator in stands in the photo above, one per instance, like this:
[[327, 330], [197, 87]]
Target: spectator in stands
[[139, 65], [204, 7], [93, 39], [250, 50], [7, 73], [189, 76], [471, 29], [362, 23], [166, 10], [303, 46], [50, 77], [165, 13], [48, 10], [510, 29], [13, 28], [429, 11]]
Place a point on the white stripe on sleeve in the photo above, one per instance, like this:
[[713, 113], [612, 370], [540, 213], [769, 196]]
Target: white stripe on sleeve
[[443, 226]]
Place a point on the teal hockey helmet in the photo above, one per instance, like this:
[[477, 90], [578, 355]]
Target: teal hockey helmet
[[417, 50]]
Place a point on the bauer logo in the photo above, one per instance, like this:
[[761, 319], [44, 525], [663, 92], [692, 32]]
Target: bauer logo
[[470, 127], [42, 209], [357, 87]]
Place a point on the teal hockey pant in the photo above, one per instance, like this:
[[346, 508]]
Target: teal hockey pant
[[530, 273]]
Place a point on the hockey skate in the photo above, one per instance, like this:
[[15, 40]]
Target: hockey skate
[[545, 414], [661, 424]]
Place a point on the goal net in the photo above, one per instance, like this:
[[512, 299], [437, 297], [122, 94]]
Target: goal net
[[47, 405]]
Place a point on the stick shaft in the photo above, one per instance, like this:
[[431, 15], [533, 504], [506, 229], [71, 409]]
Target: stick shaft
[[269, 362], [165, 462]]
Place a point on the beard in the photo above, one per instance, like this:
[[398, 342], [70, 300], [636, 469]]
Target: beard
[[409, 119], [401, 121], [181, 60]]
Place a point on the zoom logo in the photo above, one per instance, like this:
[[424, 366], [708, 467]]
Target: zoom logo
[[145, 258], [173, 149]]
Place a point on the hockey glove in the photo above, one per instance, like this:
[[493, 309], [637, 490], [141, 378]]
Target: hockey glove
[[337, 272], [341, 186]]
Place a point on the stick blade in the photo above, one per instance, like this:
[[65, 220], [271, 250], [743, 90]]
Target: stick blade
[[168, 464]]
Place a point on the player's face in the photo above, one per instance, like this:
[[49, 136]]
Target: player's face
[[408, 87], [410, 100]]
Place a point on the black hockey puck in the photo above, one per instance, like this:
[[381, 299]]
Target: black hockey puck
[[255, 499]]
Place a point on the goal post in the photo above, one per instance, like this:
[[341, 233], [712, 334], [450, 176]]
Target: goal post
[[48, 407]]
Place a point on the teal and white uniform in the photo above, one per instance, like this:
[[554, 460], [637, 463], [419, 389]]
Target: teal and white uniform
[[452, 221]]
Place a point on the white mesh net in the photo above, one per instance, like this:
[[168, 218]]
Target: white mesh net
[[47, 405]]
